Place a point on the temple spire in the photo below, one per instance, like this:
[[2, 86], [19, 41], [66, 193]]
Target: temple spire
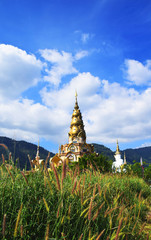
[[37, 154], [77, 132], [76, 95], [117, 149], [76, 101]]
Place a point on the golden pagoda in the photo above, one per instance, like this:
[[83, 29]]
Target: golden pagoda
[[117, 149], [77, 145]]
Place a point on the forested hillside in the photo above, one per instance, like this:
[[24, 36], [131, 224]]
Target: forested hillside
[[20, 151]]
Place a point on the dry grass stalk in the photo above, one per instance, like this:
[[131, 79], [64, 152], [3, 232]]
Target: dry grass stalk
[[17, 221], [63, 173], [10, 173], [24, 177], [75, 173], [118, 230], [110, 211], [97, 213], [142, 228], [47, 180], [82, 195], [47, 160], [46, 204], [3, 159], [100, 235], [89, 233], [45, 164], [64, 169], [10, 156], [121, 211], [78, 170], [4, 225], [83, 181], [47, 232], [81, 236], [44, 180], [58, 211], [69, 210], [78, 185], [31, 164], [74, 186], [21, 231], [126, 219], [63, 235], [90, 209], [94, 172], [94, 190], [56, 175], [90, 176], [139, 197], [99, 190], [106, 211]]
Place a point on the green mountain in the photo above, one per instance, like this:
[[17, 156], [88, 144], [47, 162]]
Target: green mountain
[[98, 148], [20, 151], [131, 154]]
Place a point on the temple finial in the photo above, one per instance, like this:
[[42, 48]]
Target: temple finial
[[117, 149], [76, 95], [37, 155]]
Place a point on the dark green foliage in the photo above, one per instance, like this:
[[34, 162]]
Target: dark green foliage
[[96, 161], [147, 174], [139, 171]]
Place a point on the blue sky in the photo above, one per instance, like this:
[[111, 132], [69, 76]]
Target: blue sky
[[101, 48]]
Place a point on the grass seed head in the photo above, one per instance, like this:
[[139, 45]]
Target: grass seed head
[[17, 221], [4, 225], [56, 175]]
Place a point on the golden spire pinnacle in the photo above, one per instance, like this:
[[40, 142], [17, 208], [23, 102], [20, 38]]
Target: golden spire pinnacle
[[77, 126], [117, 149], [76, 95], [37, 154], [76, 101]]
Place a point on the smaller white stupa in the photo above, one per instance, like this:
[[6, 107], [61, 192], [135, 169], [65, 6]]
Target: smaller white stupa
[[116, 166]]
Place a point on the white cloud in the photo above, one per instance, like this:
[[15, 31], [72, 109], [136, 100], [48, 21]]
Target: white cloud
[[85, 37], [29, 120], [137, 73], [62, 64], [81, 54], [86, 85], [146, 144], [122, 113], [18, 71], [109, 110]]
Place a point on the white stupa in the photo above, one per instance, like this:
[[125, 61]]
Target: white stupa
[[118, 160]]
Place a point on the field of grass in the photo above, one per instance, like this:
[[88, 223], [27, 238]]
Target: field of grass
[[72, 205]]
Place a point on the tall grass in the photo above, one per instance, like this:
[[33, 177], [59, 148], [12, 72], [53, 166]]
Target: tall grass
[[72, 205]]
